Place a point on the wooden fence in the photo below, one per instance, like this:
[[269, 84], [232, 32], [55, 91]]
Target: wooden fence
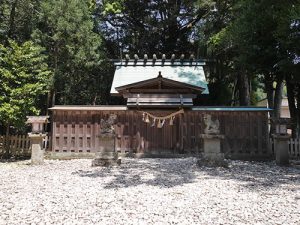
[[19, 145], [294, 148], [76, 130]]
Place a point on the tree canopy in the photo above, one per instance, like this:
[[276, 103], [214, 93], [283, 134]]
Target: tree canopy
[[24, 77], [251, 47]]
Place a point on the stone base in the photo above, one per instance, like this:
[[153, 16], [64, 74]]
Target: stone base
[[107, 142], [212, 163], [37, 151], [212, 155], [213, 160], [106, 155], [106, 159], [106, 162], [281, 149]]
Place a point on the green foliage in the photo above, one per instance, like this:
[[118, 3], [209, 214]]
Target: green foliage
[[24, 77], [219, 38], [259, 38], [17, 19], [255, 37], [66, 31], [152, 27], [113, 7], [220, 94]]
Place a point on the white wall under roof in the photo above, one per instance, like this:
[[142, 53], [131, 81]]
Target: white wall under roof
[[125, 75]]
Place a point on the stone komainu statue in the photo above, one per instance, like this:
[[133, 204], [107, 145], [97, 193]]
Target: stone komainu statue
[[107, 126], [211, 126]]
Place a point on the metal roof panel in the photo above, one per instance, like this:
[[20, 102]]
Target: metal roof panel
[[193, 75]]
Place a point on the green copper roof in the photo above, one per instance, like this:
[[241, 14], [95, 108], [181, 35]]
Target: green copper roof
[[185, 73]]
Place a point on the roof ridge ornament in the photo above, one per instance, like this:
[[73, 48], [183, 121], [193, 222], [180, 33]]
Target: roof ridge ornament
[[127, 58], [192, 57], [154, 59], [172, 58], [163, 59], [136, 58], [145, 59], [181, 58], [159, 75]]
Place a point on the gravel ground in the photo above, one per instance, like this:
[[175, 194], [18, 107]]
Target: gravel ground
[[148, 191]]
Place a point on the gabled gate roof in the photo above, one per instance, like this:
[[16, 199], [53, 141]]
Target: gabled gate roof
[[133, 71], [162, 81]]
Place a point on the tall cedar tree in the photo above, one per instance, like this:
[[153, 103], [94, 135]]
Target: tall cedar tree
[[65, 29], [251, 39], [17, 19]]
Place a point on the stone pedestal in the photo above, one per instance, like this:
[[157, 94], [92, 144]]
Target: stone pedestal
[[106, 159], [107, 156], [37, 151], [107, 143], [212, 148], [281, 149]]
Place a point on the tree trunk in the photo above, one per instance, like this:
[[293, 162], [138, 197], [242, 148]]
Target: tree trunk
[[244, 89], [6, 146], [294, 112], [277, 101], [278, 98], [297, 131], [7, 130], [12, 16], [95, 100], [270, 93], [53, 97], [234, 94]]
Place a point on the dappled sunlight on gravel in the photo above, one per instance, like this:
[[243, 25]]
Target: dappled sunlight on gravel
[[148, 191]]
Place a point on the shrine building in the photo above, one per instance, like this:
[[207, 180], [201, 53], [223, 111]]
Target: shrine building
[[160, 116]]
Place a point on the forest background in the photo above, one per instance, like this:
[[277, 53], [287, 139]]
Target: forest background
[[60, 51]]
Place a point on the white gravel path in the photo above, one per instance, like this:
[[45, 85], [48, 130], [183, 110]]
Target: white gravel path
[[148, 191]]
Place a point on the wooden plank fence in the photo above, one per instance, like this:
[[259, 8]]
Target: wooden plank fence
[[19, 145], [77, 131], [294, 148]]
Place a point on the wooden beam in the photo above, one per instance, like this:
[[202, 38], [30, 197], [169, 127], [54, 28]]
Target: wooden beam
[[177, 91], [164, 95], [159, 100]]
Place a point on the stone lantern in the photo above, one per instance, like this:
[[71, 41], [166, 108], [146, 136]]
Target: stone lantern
[[36, 137], [281, 129], [37, 123], [281, 138]]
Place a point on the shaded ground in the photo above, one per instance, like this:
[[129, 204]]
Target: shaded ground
[[151, 191]]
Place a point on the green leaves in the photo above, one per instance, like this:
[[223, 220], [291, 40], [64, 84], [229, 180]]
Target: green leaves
[[67, 33], [113, 7], [24, 77]]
